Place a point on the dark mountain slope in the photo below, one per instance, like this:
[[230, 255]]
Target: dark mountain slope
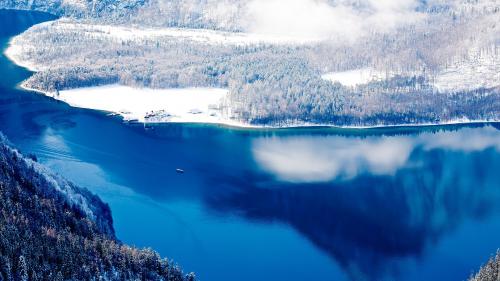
[[490, 271], [53, 230]]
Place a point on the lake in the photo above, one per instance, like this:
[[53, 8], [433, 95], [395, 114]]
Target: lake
[[410, 203]]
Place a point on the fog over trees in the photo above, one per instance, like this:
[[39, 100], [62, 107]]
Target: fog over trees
[[443, 66]]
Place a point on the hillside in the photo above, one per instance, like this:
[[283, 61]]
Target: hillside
[[490, 271], [54, 230]]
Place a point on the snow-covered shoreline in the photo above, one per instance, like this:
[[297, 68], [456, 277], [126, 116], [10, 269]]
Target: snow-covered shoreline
[[203, 117], [187, 105], [13, 51], [170, 106]]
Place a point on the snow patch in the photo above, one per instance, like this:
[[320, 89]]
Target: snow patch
[[189, 105], [355, 77], [206, 36]]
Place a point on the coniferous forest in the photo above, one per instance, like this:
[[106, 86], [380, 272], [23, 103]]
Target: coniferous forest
[[53, 230]]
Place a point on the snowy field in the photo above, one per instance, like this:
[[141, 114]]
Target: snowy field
[[354, 77], [206, 36], [191, 105]]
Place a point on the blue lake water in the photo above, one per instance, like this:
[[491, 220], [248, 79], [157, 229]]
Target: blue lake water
[[292, 204]]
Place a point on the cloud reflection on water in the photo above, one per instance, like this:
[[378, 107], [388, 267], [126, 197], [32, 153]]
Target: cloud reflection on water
[[302, 159], [375, 204]]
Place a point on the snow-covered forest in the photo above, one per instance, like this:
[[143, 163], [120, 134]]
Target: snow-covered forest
[[440, 64], [53, 230], [490, 271]]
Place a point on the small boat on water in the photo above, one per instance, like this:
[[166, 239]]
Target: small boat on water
[[130, 121], [180, 171]]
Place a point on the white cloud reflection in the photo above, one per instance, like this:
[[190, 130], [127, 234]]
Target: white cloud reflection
[[325, 158]]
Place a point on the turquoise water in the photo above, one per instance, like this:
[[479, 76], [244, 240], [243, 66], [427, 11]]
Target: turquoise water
[[294, 204]]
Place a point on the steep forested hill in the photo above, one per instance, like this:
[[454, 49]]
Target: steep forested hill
[[490, 271], [53, 230]]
